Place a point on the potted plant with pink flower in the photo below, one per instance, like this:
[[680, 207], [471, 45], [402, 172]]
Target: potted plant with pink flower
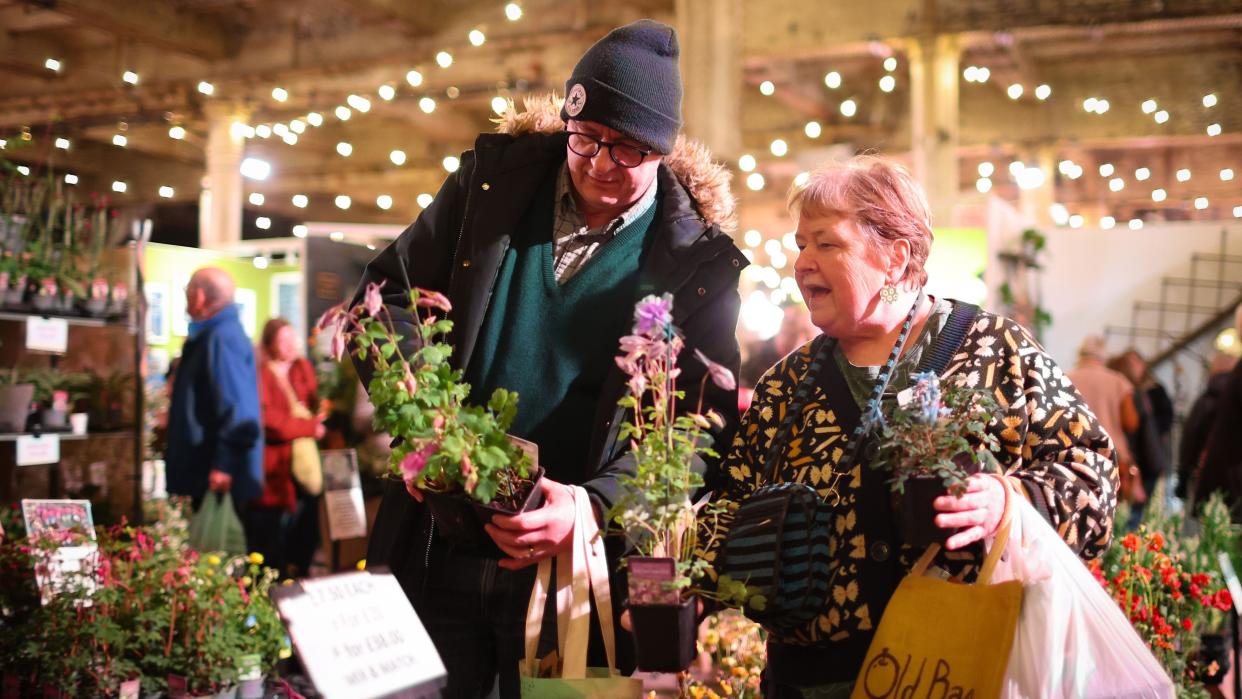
[[656, 512], [455, 450]]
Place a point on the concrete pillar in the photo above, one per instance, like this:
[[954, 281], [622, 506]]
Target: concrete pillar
[[934, 60], [220, 204], [711, 43], [1036, 203]]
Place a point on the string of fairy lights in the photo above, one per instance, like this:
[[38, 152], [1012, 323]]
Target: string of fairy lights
[[773, 282], [290, 132], [1026, 176]]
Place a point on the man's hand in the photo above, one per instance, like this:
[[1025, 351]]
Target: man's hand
[[979, 511], [219, 481], [533, 536]]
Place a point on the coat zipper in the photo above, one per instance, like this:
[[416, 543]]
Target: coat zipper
[[465, 215]]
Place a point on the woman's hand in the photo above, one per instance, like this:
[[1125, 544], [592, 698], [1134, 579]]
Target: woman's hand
[[529, 537], [978, 512]]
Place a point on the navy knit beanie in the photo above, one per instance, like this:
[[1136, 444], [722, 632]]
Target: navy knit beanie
[[630, 81]]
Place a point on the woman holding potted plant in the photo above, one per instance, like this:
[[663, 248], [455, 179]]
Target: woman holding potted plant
[[863, 235]]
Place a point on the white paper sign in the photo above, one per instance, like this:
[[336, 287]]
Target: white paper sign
[[35, 451], [358, 637], [346, 515], [47, 334]]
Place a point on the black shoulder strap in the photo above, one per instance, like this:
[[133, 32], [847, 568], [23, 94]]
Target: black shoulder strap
[[950, 339]]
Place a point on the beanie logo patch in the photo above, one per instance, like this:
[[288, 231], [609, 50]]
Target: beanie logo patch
[[576, 101]]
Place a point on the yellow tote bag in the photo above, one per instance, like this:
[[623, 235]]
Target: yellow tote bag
[[944, 639], [581, 573]]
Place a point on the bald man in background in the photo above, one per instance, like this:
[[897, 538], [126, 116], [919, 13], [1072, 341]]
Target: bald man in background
[[214, 431]]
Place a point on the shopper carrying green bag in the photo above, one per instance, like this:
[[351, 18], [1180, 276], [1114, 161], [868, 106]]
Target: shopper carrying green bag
[[215, 527]]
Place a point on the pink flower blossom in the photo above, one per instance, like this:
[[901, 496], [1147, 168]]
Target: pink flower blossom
[[433, 299], [338, 345], [372, 300], [330, 316], [415, 461], [722, 377], [409, 383], [653, 315], [638, 384], [467, 470]]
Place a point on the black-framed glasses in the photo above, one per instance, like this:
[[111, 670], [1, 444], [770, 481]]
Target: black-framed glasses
[[623, 154]]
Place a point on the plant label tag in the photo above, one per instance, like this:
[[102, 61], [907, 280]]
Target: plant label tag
[[130, 690], [649, 579], [249, 667], [904, 397], [47, 334], [178, 688], [36, 451], [1231, 580], [530, 448]]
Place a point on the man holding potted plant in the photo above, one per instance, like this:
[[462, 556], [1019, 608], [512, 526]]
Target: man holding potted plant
[[543, 240]]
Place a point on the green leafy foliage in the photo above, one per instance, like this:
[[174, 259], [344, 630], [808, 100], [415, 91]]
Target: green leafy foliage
[[446, 444], [941, 433]]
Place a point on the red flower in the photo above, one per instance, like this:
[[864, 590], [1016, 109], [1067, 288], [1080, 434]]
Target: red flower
[[1155, 542], [1200, 579], [1130, 542], [1223, 600], [1187, 624]]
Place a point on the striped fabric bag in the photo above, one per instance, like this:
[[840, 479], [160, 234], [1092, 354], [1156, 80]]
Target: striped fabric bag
[[778, 546]]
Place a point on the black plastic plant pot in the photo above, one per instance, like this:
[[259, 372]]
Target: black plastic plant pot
[[664, 635], [1213, 659], [916, 518], [460, 518]]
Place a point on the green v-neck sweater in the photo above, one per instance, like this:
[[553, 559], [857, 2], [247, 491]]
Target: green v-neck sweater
[[554, 343]]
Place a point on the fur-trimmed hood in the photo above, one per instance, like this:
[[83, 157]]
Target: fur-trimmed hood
[[706, 180]]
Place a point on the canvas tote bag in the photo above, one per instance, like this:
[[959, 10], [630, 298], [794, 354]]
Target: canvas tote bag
[[581, 573], [305, 466], [940, 638]]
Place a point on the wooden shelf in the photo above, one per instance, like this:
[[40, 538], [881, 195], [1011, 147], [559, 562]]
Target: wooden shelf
[[68, 436], [20, 316]]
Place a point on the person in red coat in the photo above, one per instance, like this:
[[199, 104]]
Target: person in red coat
[[287, 397]]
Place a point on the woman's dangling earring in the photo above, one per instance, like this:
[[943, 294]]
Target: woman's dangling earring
[[888, 293]]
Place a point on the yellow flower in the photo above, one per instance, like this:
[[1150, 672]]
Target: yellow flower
[[712, 695], [285, 652], [740, 672], [256, 558], [209, 572], [246, 580], [361, 564], [212, 559], [726, 688], [697, 692], [286, 582]]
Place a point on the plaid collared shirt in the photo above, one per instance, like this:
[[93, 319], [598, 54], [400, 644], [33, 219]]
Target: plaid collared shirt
[[573, 243]]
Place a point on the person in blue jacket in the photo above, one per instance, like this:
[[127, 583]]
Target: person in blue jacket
[[214, 431]]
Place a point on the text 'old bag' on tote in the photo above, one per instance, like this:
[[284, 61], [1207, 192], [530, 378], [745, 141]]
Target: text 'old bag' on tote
[[944, 639], [580, 573]]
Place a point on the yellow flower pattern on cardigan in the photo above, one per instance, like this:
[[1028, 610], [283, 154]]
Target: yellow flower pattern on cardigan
[[1049, 439]]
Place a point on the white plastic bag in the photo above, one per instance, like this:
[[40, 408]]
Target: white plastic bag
[[1072, 639]]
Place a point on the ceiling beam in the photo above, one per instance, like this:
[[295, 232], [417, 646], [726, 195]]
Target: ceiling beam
[[155, 22]]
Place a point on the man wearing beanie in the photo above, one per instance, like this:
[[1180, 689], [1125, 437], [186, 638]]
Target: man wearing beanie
[[543, 240]]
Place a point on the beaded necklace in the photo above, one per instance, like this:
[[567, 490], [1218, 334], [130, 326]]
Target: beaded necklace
[[871, 415]]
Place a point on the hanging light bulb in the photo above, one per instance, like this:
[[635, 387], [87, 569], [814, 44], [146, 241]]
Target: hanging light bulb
[[444, 59], [767, 88], [280, 94], [427, 104], [832, 79], [397, 157]]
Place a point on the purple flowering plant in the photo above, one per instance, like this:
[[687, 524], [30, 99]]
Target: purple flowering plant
[[446, 444], [940, 431], [655, 511]]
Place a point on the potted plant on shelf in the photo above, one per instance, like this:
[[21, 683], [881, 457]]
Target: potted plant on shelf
[[457, 452], [926, 445], [655, 511], [15, 398]]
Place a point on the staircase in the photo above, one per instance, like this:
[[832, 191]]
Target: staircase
[[1191, 311]]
